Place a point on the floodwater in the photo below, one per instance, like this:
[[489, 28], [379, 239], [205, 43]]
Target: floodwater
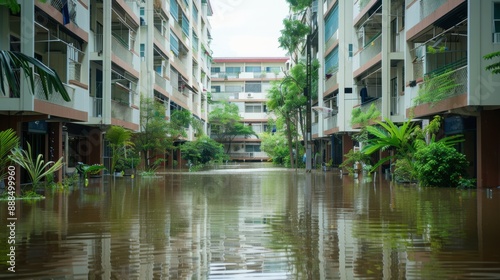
[[256, 223]]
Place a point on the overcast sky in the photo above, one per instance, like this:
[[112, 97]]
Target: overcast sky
[[247, 28]]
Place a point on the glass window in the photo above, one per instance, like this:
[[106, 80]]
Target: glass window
[[195, 14], [331, 23], [174, 44], [230, 69], [252, 148], [142, 50], [215, 88], [233, 88], [255, 69], [253, 87], [496, 17], [215, 70], [142, 11], [253, 108], [273, 69], [174, 9], [332, 61], [185, 25]]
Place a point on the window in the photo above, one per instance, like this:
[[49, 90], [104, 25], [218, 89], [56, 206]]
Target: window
[[233, 88], [174, 44], [185, 25], [273, 69], [252, 148], [230, 69], [332, 61], [142, 11], [253, 87], [496, 22], [255, 69], [253, 108], [174, 9], [331, 23], [143, 50], [195, 14], [215, 88], [195, 41], [215, 70]]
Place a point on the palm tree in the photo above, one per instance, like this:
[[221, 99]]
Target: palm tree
[[118, 138], [11, 62], [8, 141]]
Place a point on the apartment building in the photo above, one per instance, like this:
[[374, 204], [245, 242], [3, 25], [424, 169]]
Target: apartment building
[[387, 54], [108, 54], [245, 82]]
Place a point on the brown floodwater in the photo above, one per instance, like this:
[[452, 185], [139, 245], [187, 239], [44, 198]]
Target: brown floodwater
[[255, 223]]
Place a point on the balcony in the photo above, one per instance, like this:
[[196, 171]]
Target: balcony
[[330, 122], [123, 112], [162, 40], [371, 49], [120, 49], [331, 81], [442, 84]]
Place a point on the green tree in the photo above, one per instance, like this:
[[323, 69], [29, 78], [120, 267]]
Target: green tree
[[226, 124], [275, 145], [439, 165], [494, 68], [292, 36], [152, 139], [203, 150], [8, 141], [119, 139]]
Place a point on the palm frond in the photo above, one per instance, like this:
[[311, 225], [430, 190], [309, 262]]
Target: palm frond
[[8, 141], [11, 62]]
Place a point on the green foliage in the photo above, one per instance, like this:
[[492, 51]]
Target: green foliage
[[226, 123], [11, 61], [299, 5], [494, 68], [364, 118], [439, 165], [436, 88], [8, 141], [293, 35], [202, 151], [152, 139], [404, 171], [37, 169], [119, 139], [352, 157], [275, 146]]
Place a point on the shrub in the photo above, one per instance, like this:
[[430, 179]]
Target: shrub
[[438, 165]]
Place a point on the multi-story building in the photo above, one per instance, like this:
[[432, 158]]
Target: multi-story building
[[245, 82], [108, 54], [387, 53]]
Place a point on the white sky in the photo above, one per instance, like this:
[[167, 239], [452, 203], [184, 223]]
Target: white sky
[[247, 28]]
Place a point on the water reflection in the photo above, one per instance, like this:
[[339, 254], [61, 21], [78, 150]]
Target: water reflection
[[235, 223]]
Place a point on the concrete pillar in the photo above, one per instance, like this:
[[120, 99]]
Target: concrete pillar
[[488, 150]]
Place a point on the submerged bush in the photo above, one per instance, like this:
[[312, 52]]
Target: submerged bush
[[438, 165]]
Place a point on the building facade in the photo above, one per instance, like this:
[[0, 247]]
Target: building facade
[[245, 82], [108, 54], [387, 54]]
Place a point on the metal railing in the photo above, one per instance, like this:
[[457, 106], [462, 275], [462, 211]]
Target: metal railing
[[371, 49], [97, 107], [54, 97], [121, 51]]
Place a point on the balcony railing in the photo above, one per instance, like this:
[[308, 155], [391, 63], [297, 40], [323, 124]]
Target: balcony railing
[[121, 50], [330, 122], [372, 48], [377, 102], [121, 111], [331, 81], [97, 107], [160, 81], [160, 38], [457, 85], [55, 97]]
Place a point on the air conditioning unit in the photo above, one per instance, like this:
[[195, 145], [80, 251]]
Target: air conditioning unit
[[249, 95]]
